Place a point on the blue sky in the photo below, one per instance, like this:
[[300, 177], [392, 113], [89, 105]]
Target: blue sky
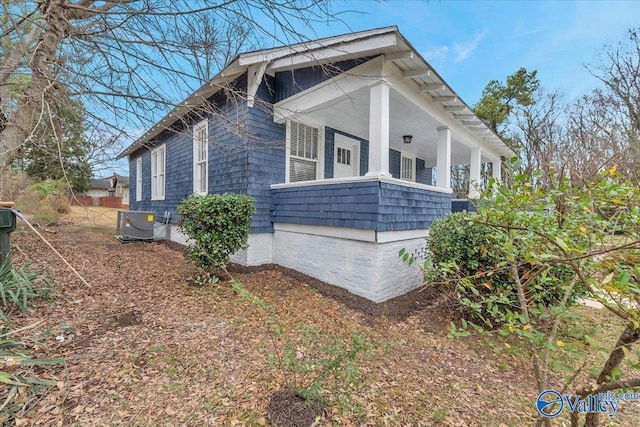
[[470, 43]]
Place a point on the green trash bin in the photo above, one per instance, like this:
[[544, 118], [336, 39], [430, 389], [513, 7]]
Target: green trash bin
[[7, 225]]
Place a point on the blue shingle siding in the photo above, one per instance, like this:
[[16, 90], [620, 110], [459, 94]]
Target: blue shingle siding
[[289, 83], [364, 156], [461, 205], [408, 208], [394, 163], [266, 159], [423, 174], [368, 205], [227, 155], [178, 176], [247, 155], [133, 179], [341, 205], [329, 137]]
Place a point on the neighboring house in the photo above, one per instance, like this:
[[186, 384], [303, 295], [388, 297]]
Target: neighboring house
[[112, 186], [346, 144], [99, 188]]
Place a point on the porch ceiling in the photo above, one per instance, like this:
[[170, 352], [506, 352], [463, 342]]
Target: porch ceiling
[[351, 114]]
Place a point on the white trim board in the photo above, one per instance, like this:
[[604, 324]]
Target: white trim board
[[357, 234], [328, 231], [369, 178]]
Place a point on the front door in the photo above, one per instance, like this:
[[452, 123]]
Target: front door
[[346, 157]]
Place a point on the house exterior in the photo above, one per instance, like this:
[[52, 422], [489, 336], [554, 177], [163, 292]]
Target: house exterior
[[346, 144], [114, 186]]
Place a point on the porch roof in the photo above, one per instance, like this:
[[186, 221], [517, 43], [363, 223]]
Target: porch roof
[[386, 42]]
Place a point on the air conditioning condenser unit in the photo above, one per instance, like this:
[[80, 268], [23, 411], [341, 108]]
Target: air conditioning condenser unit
[[134, 225]]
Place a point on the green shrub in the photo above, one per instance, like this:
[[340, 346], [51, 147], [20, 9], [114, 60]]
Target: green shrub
[[469, 258], [217, 226], [44, 201], [470, 245], [19, 287], [20, 382]]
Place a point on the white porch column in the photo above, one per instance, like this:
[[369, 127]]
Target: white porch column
[[379, 129], [496, 167], [443, 160], [474, 176]]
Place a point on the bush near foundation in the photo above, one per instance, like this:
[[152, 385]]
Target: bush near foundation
[[217, 226], [469, 258]]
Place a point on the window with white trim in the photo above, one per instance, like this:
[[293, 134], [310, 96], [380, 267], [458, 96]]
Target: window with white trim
[[303, 154], [138, 179], [407, 167], [158, 163], [343, 156], [201, 157]]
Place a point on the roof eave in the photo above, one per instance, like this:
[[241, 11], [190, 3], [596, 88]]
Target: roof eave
[[315, 52]]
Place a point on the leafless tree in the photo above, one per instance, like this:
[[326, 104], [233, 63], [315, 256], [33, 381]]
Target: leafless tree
[[613, 113], [595, 139], [125, 59], [538, 131], [208, 46]]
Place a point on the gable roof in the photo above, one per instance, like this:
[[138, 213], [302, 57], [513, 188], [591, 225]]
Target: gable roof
[[100, 184], [387, 41], [105, 183]]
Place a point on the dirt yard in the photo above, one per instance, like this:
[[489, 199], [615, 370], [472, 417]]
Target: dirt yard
[[145, 347]]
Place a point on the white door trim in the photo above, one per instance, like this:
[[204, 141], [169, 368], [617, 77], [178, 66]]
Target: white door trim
[[343, 141]]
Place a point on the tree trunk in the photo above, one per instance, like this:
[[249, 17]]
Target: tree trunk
[[20, 122], [629, 336]]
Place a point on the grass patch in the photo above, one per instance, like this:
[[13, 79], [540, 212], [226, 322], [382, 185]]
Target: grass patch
[[19, 287], [18, 382]]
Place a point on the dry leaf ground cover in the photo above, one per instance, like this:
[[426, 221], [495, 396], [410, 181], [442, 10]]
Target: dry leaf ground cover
[[144, 347]]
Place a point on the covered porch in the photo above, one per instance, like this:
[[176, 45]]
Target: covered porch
[[391, 117]]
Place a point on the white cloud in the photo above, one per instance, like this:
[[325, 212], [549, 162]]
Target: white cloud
[[465, 50], [437, 54], [460, 51]]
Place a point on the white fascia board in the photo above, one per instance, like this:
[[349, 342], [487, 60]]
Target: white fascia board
[[330, 90], [270, 55], [354, 49]]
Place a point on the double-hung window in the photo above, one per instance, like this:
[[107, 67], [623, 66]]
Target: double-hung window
[[138, 179], [303, 155], [158, 162], [407, 167], [200, 158]]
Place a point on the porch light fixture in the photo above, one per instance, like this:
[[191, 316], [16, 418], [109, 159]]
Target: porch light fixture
[[407, 139]]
